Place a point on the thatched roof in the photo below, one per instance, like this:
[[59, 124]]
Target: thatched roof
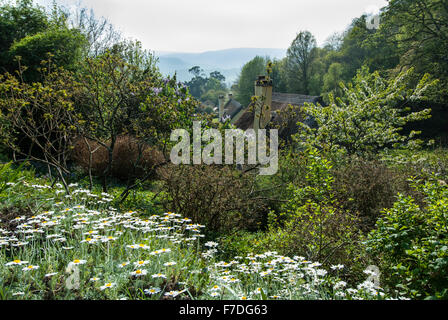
[[280, 102], [232, 107], [246, 120]]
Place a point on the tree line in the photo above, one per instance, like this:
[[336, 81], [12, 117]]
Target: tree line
[[411, 33]]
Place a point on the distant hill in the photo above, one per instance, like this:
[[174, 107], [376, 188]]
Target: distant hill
[[229, 61]]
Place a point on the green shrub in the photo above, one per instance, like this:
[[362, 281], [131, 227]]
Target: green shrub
[[313, 223], [292, 168], [318, 231], [412, 240], [421, 163], [8, 175], [242, 243], [65, 45], [216, 196], [367, 187], [15, 194]]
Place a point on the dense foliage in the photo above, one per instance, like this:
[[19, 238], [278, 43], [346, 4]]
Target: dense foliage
[[412, 239], [249, 74], [92, 208]]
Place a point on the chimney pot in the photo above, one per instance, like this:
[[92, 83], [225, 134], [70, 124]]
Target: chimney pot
[[263, 88], [220, 106]]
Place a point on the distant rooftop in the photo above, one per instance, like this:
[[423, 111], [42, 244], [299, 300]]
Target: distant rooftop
[[232, 107], [279, 101]]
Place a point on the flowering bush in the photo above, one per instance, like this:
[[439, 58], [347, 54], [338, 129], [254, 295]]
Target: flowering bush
[[370, 116]]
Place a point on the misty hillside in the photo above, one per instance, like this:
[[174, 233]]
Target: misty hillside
[[228, 61]]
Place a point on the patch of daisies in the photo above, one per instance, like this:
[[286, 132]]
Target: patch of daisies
[[80, 246], [273, 276]]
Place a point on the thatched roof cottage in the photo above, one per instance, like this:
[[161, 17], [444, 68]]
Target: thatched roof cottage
[[276, 104]]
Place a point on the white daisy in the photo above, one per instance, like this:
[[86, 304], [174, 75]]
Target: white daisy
[[108, 285]]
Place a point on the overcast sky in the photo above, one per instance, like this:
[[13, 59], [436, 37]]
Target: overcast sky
[[203, 25]]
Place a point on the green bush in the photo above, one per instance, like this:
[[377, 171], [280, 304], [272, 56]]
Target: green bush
[[313, 223], [412, 240], [66, 47], [15, 194], [7, 176], [421, 163], [292, 168], [367, 187], [216, 196], [242, 243]]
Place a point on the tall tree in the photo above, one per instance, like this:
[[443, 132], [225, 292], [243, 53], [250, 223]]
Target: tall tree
[[197, 83], [280, 82], [218, 76], [214, 87], [100, 34], [333, 78], [299, 59], [420, 30], [247, 77]]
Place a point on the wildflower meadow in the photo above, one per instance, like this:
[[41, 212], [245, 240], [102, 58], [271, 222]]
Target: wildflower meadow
[[78, 246]]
